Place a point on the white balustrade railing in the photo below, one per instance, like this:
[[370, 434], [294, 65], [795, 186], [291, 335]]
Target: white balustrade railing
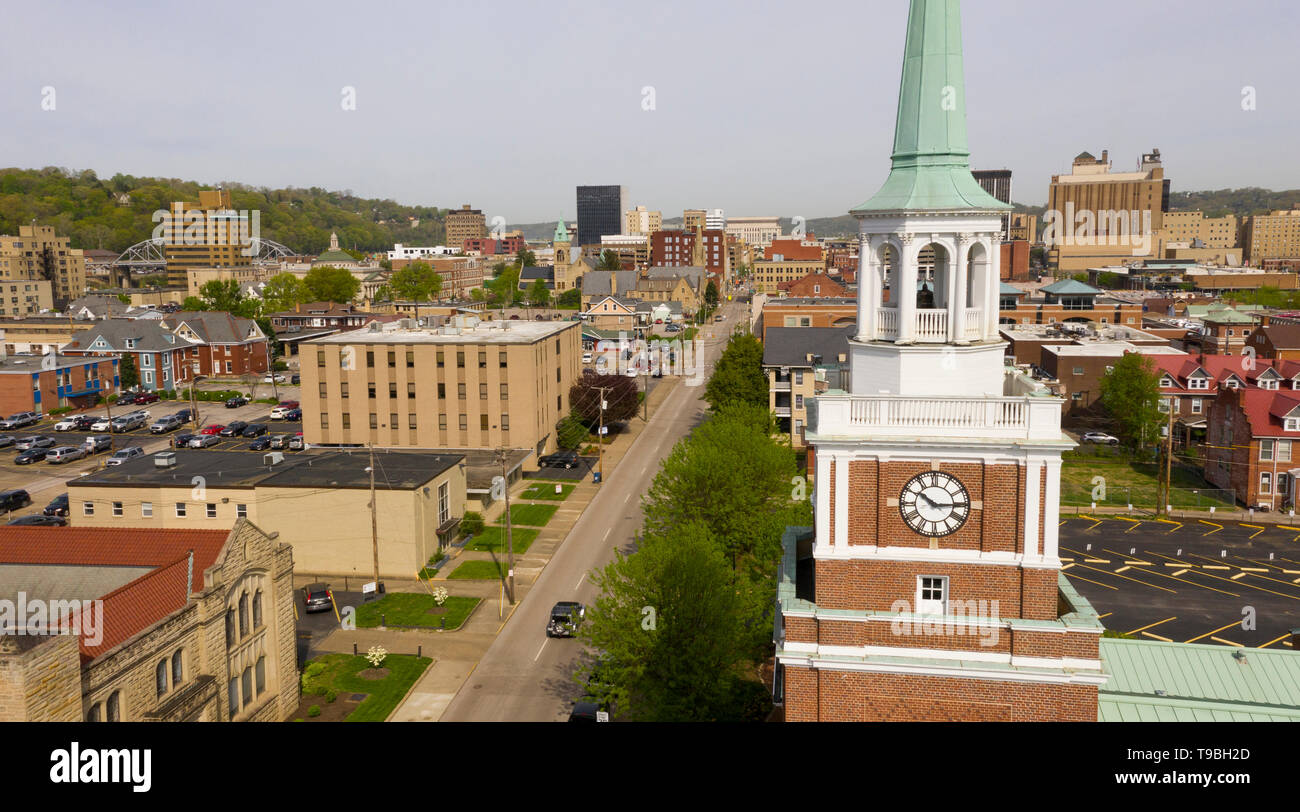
[[928, 326], [931, 326], [886, 323], [992, 417], [974, 327]]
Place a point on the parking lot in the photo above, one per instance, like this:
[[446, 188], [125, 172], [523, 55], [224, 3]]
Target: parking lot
[[1189, 580], [45, 480]]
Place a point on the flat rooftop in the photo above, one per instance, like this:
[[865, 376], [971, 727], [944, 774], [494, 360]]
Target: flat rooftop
[[394, 470], [1106, 349], [1074, 331], [475, 332], [26, 364]]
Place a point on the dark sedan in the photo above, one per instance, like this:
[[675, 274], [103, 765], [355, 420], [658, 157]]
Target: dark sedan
[[233, 428], [260, 444], [58, 506], [254, 430], [30, 456], [236, 402], [38, 520]]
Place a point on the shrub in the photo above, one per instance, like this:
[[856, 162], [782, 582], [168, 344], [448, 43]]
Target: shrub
[[60, 410], [309, 675], [331, 694], [314, 711], [472, 523]]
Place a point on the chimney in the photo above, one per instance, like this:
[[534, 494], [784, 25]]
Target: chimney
[[1105, 156]]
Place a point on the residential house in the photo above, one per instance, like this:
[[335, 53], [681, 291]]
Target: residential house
[[159, 355], [220, 344], [599, 284], [1281, 341], [614, 313], [801, 363], [1224, 329], [820, 312], [813, 286], [1251, 446]]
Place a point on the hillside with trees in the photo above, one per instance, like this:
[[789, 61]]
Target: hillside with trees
[[116, 213]]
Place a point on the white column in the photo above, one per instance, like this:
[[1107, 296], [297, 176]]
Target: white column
[[1033, 480], [993, 283], [957, 313], [842, 504], [866, 292], [822, 503], [904, 289], [1052, 510]]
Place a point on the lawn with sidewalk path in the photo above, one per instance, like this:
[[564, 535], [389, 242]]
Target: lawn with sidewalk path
[[414, 609], [340, 674], [545, 489], [529, 515], [479, 571], [493, 540]]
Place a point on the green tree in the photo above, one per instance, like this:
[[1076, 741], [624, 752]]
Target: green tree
[[570, 299], [620, 397], [329, 284], [477, 295], [1130, 392], [738, 376], [415, 283], [610, 261], [711, 295], [282, 292], [570, 432], [525, 258], [221, 294], [127, 372], [669, 626], [193, 303], [538, 295], [124, 299]]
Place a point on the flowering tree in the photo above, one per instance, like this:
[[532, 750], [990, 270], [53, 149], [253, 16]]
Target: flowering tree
[[376, 656]]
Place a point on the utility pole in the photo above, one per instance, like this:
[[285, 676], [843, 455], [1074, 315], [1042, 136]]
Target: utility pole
[[600, 435], [510, 538], [374, 516], [1169, 458]]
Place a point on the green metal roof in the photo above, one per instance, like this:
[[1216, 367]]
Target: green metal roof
[[1071, 287], [1011, 290], [1199, 683], [561, 233], [931, 159]]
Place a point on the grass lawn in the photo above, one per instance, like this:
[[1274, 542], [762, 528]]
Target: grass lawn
[[493, 539], [479, 571], [412, 609], [529, 515], [340, 674], [546, 490], [1126, 480]]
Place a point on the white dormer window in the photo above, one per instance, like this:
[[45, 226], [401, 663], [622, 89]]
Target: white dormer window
[[1268, 384], [1232, 383], [130, 343], [1291, 424], [1198, 383], [1166, 383]]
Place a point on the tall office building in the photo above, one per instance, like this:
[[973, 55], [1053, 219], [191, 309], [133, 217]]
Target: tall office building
[[1114, 208], [640, 221], [996, 182], [46, 267], [206, 233], [693, 219], [600, 212], [464, 224], [1272, 236], [715, 220]]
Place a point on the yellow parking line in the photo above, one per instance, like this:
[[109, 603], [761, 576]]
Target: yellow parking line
[[1180, 572], [1214, 567], [1216, 631], [1217, 527], [1091, 519], [1258, 528], [1098, 583], [1158, 637], [1253, 569], [1152, 625], [1278, 640], [1066, 567], [1176, 525], [1240, 575], [1226, 642], [1134, 580], [1108, 614], [1097, 560], [1121, 569]]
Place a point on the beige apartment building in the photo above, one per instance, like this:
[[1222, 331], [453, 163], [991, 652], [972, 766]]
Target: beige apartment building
[[470, 384], [1187, 227], [1093, 193], [755, 231], [38, 256], [464, 224], [318, 503], [639, 221], [206, 233], [769, 274], [693, 219], [1272, 236], [1022, 227]]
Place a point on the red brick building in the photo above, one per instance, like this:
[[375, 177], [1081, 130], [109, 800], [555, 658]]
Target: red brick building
[[39, 383], [813, 286], [1015, 261], [798, 312], [489, 246], [672, 249], [1252, 446], [219, 344], [1275, 341]]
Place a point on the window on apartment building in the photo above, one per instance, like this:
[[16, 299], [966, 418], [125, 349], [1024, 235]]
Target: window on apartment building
[[483, 422], [117, 508], [241, 511], [1164, 404], [212, 510], [1198, 383], [439, 357], [370, 389], [347, 421], [1283, 452], [410, 389], [931, 595], [482, 360], [505, 422], [1196, 405], [324, 420], [1265, 483], [146, 510], [460, 391], [482, 391], [343, 389], [464, 422], [324, 390], [392, 389], [370, 358], [442, 422], [180, 510], [798, 378], [505, 391], [1268, 385], [1291, 424], [1266, 450], [442, 391], [87, 508], [1078, 370], [798, 401], [410, 421], [392, 359], [374, 420], [320, 358], [460, 359], [410, 359], [557, 403], [501, 360]]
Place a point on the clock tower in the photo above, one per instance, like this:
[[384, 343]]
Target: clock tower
[[930, 587]]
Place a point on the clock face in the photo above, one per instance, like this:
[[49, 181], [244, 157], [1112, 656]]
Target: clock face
[[934, 504]]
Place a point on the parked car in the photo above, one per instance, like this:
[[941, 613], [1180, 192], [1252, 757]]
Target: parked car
[[254, 430], [204, 441], [182, 440], [1099, 438], [260, 444], [317, 598], [296, 442], [673, 328], [184, 415], [564, 620], [123, 454], [64, 453], [295, 379], [560, 459], [127, 422], [17, 421], [279, 440], [236, 402], [14, 500], [39, 520], [212, 428], [6, 440], [30, 456], [101, 424], [277, 378], [233, 428], [68, 423], [96, 443], [587, 358], [164, 424], [717, 318], [85, 421], [142, 398], [58, 506], [38, 441], [293, 415]]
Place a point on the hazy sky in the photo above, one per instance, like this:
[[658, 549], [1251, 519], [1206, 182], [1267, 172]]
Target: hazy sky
[[759, 108]]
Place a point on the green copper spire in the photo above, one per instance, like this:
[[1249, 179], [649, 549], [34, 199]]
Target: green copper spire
[[561, 232], [931, 161]]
